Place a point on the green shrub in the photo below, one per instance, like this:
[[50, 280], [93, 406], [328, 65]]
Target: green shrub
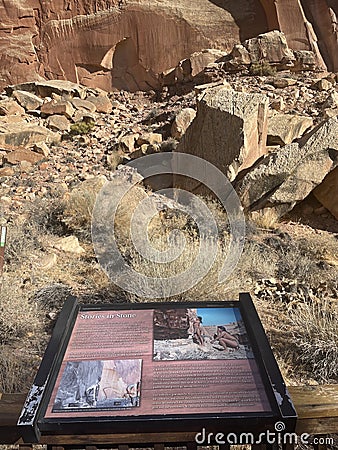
[[83, 127]]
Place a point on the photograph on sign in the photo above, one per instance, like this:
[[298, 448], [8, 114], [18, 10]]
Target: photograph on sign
[[200, 333], [99, 385]]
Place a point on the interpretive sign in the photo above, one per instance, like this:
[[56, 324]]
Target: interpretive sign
[[157, 367]]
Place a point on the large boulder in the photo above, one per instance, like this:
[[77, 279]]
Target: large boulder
[[286, 176], [285, 128], [327, 192], [229, 131], [23, 134], [271, 46]]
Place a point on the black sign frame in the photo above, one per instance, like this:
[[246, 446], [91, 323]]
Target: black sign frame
[[33, 422]]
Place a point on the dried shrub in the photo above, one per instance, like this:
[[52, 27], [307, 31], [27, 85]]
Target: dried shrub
[[315, 338], [78, 209], [262, 68]]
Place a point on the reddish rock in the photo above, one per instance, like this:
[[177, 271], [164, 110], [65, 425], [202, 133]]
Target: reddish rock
[[77, 40], [54, 107], [17, 156], [101, 103], [6, 171]]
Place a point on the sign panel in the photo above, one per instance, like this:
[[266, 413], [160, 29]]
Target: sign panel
[[159, 367]]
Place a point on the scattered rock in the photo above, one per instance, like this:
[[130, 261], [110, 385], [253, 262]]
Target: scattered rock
[[114, 159], [101, 103], [322, 85], [57, 122], [10, 107], [69, 244], [41, 148], [181, 122], [81, 104], [283, 82], [20, 155], [150, 138], [6, 171], [26, 135]]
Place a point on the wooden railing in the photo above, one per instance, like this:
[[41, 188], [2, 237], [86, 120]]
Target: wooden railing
[[317, 408]]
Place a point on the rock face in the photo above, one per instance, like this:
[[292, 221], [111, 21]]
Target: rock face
[[287, 175], [229, 131], [285, 128], [79, 40], [327, 192]]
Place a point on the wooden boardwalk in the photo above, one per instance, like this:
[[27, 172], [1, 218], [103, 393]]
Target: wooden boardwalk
[[317, 408]]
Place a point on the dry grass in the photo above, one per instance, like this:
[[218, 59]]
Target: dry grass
[[314, 335], [305, 337]]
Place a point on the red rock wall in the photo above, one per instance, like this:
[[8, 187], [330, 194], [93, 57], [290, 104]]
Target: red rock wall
[[68, 39]]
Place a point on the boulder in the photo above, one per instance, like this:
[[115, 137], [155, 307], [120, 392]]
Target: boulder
[[57, 122], [239, 58], [283, 82], [10, 107], [101, 103], [26, 135], [327, 192], [285, 128], [20, 155], [181, 122], [81, 104], [287, 175], [47, 88], [331, 100], [229, 130], [27, 100], [271, 46], [149, 138], [322, 85], [304, 60], [58, 107]]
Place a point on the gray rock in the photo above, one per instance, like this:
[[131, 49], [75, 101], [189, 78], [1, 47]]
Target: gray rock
[[57, 122], [26, 135], [286, 176], [229, 131], [27, 100], [285, 128]]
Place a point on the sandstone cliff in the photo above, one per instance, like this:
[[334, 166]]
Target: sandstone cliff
[[77, 39]]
